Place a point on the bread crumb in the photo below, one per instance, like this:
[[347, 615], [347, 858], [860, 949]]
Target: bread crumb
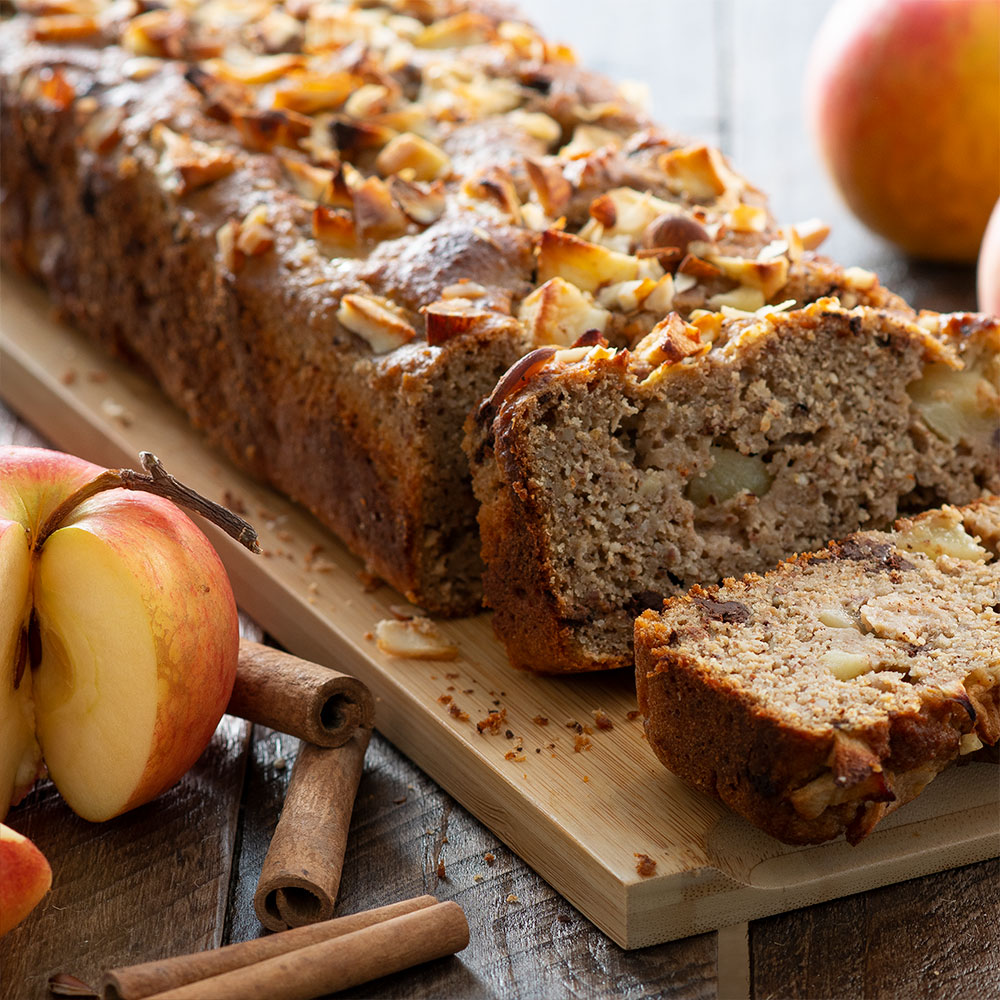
[[440, 868], [489, 858], [601, 719], [513, 899], [581, 743], [369, 636], [645, 865], [540, 720], [513, 755], [634, 714], [445, 699], [586, 777], [492, 722], [457, 713]]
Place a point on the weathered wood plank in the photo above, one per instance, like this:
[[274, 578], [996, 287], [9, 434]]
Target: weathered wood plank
[[933, 937]]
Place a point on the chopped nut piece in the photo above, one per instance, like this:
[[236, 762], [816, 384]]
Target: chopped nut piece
[[670, 341], [449, 319], [64, 28], [417, 639], [312, 94], [746, 219], [767, 275], [676, 231], [601, 719], [376, 215], [186, 163], [699, 173], [466, 28], [255, 236], [367, 100], [157, 32], [309, 181], [812, 232], [588, 138], [424, 160], [334, 229], [551, 187], [493, 722], [254, 70], [422, 205], [376, 321], [586, 265], [559, 313], [536, 124], [103, 130]]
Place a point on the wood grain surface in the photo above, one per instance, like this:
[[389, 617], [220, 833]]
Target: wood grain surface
[[730, 71]]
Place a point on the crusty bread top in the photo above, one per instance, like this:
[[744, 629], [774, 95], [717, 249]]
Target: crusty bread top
[[426, 167], [870, 627]]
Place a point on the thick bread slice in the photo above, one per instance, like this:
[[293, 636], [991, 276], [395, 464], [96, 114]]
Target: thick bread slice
[[820, 697], [610, 479]]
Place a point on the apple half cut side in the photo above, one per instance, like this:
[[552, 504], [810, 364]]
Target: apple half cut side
[[118, 630]]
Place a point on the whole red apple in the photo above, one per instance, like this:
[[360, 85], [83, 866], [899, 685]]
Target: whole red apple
[[25, 877], [904, 100], [988, 271], [119, 637]]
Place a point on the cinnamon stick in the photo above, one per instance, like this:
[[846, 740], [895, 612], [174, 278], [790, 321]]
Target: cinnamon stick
[[301, 872], [139, 981], [294, 696], [331, 966]]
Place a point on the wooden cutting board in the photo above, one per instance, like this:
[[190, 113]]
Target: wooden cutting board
[[577, 802]]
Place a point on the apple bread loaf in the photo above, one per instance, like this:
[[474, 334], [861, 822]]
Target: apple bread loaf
[[327, 228], [818, 698], [609, 479]]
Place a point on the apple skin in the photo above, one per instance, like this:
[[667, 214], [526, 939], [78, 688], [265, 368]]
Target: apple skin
[[988, 271], [904, 101], [25, 877], [138, 633]]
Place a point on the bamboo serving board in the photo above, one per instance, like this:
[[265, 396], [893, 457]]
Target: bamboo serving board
[[577, 806]]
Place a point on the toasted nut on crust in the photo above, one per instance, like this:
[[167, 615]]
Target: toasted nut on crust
[[674, 231], [375, 321], [376, 215], [422, 205], [416, 639], [448, 319], [559, 313], [424, 160], [699, 172], [551, 187], [586, 265], [255, 236], [309, 181], [186, 163], [767, 275], [467, 28], [334, 228], [670, 341], [64, 28]]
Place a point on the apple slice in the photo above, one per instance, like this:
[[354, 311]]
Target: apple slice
[[25, 876], [20, 763]]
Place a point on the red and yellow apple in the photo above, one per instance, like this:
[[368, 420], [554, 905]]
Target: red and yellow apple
[[25, 877], [988, 271], [904, 100], [118, 636]]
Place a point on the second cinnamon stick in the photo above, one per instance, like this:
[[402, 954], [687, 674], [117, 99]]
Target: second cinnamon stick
[[301, 873], [295, 696]]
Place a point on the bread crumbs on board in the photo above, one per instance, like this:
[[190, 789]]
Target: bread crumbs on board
[[645, 865], [493, 722], [601, 719]]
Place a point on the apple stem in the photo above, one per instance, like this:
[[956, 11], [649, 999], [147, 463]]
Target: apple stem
[[158, 481]]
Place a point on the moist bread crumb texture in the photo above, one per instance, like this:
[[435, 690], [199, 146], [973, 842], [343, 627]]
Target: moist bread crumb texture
[[327, 228], [611, 479], [820, 697]]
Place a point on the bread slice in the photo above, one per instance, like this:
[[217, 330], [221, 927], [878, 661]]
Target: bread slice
[[611, 479], [327, 229], [820, 697]]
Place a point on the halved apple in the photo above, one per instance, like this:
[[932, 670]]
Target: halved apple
[[119, 641]]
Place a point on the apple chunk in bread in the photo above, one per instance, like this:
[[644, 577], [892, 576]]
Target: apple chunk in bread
[[120, 636]]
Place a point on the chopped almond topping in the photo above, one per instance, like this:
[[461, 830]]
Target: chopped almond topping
[[670, 341], [376, 215], [467, 28], [309, 181], [64, 28], [255, 236], [559, 313], [422, 205], [416, 639], [551, 187], [335, 230], [377, 322], [186, 163], [767, 275], [699, 173], [421, 159]]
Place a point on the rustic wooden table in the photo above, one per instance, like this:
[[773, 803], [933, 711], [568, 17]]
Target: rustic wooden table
[[179, 874]]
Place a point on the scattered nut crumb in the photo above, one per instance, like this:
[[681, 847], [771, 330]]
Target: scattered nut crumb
[[645, 865], [601, 719], [513, 755], [445, 699], [489, 858], [634, 714], [457, 713], [581, 743], [540, 720], [115, 411], [492, 722], [418, 639]]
